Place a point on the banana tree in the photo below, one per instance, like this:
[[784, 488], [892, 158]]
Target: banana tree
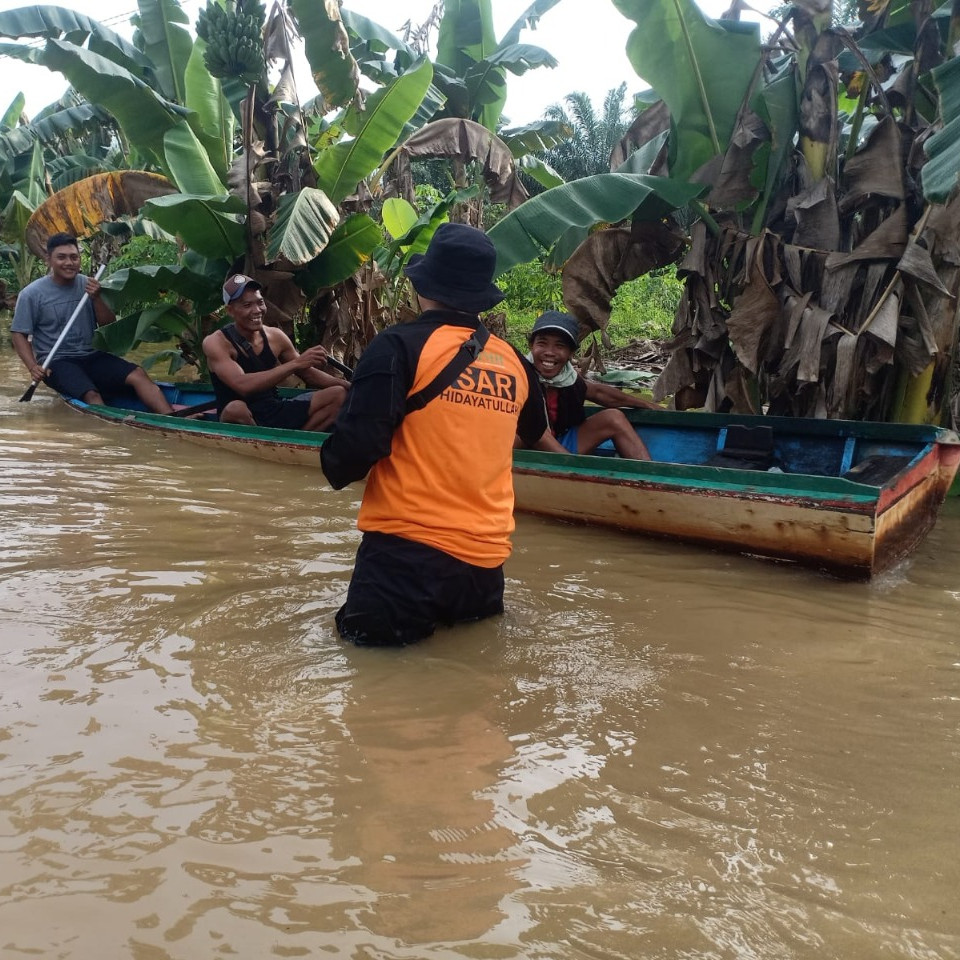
[[288, 199], [469, 87], [471, 65], [819, 277]]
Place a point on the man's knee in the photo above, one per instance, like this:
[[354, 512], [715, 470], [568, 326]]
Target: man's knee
[[138, 377], [329, 398], [236, 411]]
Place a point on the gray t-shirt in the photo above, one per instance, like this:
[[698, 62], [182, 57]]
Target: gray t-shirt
[[43, 309]]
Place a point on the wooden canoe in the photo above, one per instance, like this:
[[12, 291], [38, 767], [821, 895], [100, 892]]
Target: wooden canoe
[[849, 497]]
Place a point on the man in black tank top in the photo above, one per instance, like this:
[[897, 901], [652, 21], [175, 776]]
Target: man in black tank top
[[248, 360]]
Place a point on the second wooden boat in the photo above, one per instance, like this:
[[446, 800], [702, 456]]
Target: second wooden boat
[[849, 497]]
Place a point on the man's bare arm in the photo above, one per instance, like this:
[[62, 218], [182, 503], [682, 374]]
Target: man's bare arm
[[607, 395], [27, 357], [222, 362]]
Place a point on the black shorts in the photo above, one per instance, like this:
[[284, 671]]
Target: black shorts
[[282, 414], [401, 590], [99, 371]]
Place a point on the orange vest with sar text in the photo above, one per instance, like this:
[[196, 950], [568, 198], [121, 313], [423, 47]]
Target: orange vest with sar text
[[448, 479]]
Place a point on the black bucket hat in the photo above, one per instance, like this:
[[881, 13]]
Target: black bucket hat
[[457, 269], [558, 322]]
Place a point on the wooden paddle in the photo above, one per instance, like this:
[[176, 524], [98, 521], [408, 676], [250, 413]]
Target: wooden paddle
[[211, 404], [342, 367], [196, 408], [29, 392]]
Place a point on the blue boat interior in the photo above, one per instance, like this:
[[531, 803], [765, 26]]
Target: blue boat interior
[[776, 448], [870, 454]]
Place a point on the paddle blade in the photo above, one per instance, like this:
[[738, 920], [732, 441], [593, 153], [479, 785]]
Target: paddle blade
[[29, 392]]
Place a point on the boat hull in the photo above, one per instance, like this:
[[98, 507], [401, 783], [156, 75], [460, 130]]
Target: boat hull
[[854, 534], [853, 529]]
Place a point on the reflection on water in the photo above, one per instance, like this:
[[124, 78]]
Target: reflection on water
[[658, 751]]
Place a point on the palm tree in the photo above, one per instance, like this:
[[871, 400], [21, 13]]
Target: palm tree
[[594, 136]]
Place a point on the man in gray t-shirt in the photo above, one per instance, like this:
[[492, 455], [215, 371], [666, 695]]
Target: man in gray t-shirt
[[77, 370]]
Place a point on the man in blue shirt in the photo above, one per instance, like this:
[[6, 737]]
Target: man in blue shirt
[[43, 309]]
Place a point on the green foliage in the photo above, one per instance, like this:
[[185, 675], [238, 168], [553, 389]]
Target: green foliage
[[8, 273], [142, 250], [701, 67], [643, 309], [587, 150], [530, 289], [536, 226]]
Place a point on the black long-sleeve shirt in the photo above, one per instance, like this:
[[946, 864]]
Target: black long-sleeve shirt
[[376, 402]]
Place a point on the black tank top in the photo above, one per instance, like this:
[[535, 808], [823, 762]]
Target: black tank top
[[565, 406], [250, 362]]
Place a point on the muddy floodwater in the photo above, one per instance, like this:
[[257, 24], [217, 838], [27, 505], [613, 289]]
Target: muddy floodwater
[[659, 751]]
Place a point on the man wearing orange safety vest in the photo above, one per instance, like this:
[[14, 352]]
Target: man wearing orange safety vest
[[432, 416]]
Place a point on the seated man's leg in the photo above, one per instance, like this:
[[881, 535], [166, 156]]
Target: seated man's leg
[[149, 393], [236, 411], [109, 374], [69, 377], [325, 404], [611, 425]]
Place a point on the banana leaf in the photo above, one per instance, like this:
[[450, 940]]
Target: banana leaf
[[465, 40], [465, 141], [371, 40], [188, 163], [486, 81], [210, 225], [54, 126], [528, 19], [702, 68], [16, 215], [535, 137], [395, 254], [535, 227], [433, 101], [351, 245], [65, 171], [53, 23], [327, 48], [121, 336], [542, 172], [305, 220], [11, 116], [18, 51], [398, 216], [150, 282], [466, 34], [940, 172], [776, 104], [81, 207], [34, 182], [143, 115], [167, 44], [375, 130], [204, 96]]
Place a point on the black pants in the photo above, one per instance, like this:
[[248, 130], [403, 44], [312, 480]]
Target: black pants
[[99, 371], [401, 590]]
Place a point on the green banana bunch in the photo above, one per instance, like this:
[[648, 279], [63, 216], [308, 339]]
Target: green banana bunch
[[234, 40]]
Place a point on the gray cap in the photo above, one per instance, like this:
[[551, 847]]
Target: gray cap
[[235, 286], [557, 322]]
